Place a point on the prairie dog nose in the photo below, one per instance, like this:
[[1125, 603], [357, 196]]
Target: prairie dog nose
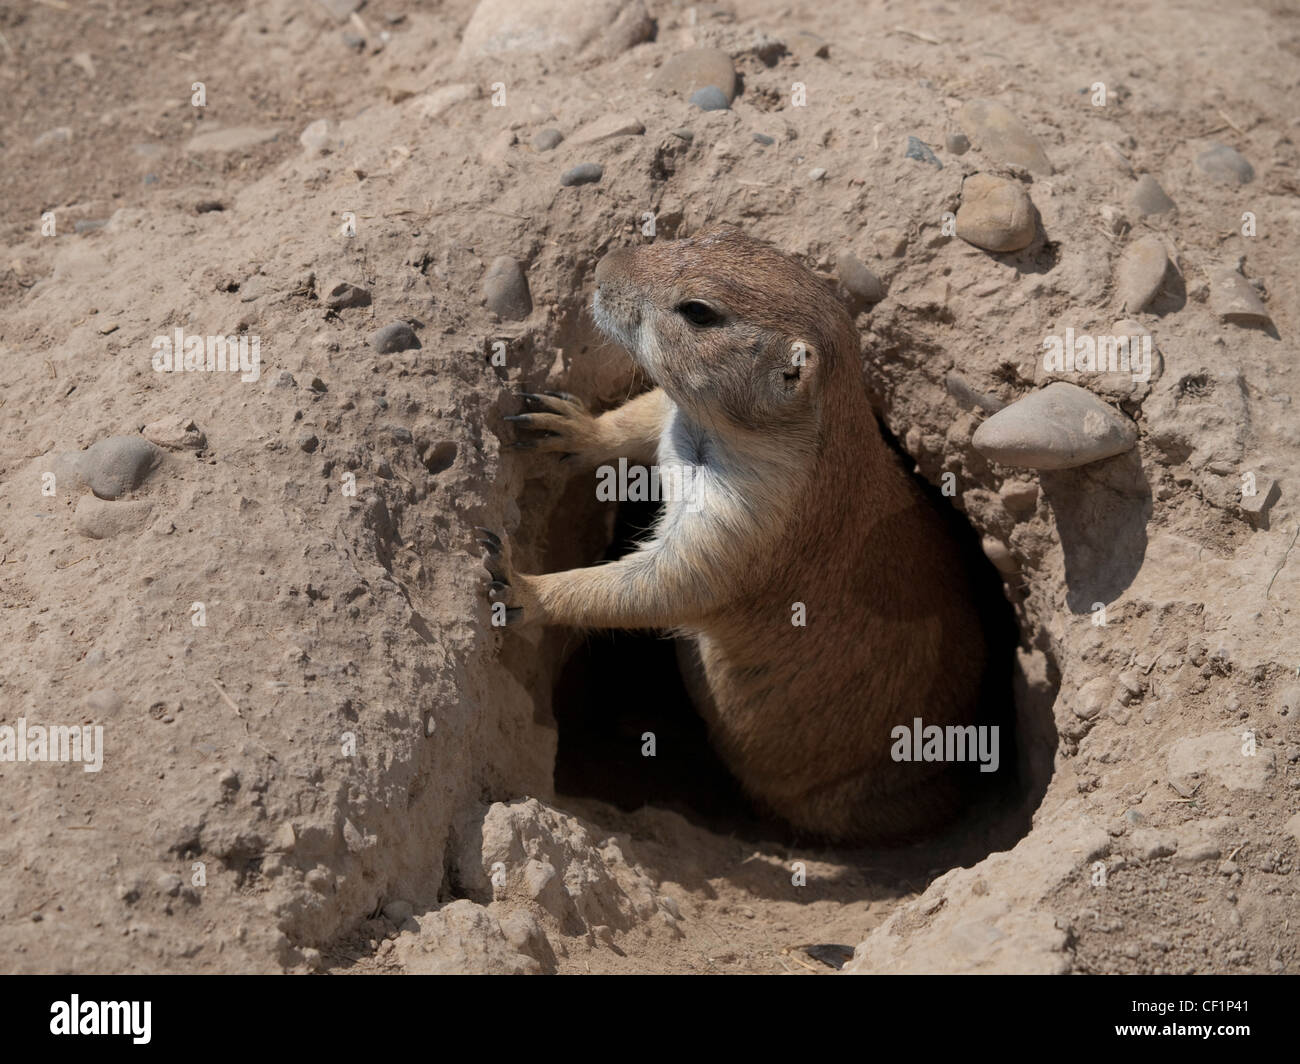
[[614, 265]]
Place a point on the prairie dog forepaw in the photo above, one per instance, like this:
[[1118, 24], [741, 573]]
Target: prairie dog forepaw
[[508, 592], [558, 422]]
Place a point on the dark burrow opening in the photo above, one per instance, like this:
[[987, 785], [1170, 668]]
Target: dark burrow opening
[[615, 687]]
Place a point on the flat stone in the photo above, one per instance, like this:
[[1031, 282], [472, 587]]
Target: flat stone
[[607, 127], [398, 336], [582, 174], [1151, 843], [1140, 273], [602, 28], [1257, 506], [920, 150], [695, 69], [1235, 300], [97, 519], [1060, 427], [1019, 496], [709, 98], [236, 138], [343, 294], [506, 289], [862, 285], [1149, 198], [321, 136], [997, 132], [995, 214], [118, 465], [1225, 165], [807, 45], [434, 104], [175, 433]]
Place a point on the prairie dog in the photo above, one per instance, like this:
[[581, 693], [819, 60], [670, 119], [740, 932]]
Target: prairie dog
[[821, 599]]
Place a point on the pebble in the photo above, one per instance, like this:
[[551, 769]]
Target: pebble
[[117, 465], [1152, 844], [764, 139], [600, 28], [1140, 273], [1058, 427], [582, 174], [1235, 300], [1225, 165], [236, 138], [59, 135], [995, 214], [997, 552], [957, 143], [346, 294], [920, 150], [398, 336], [399, 911], [546, 139], [890, 243], [1019, 496], [1149, 198], [697, 68], [321, 136], [506, 289], [862, 285], [308, 442], [1091, 698], [710, 98], [175, 433], [89, 225], [1001, 135], [608, 127], [806, 45], [817, 173]]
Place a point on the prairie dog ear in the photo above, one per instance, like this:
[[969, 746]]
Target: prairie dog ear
[[802, 368]]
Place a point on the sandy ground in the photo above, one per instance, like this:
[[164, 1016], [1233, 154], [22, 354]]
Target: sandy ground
[[318, 754]]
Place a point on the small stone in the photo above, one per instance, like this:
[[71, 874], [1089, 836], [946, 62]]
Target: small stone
[[806, 45], [957, 143], [117, 465], [862, 285], [547, 139], [997, 552], [1019, 496], [434, 104], [1152, 844], [168, 883], [817, 173], [582, 174], [1140, 273], [506, 289], [694, 69], [764, 139], [1091, 698], [399, 911], [1149, 198], [1225, 165], [54, 137], [995, 214], [103, 703], [229, 780], [920, 150], [889, 243], [398, 336], [1257, 506], [1059, 427], [997, 132], [345, 294], [1235, 300], [608, 127], [596, 28], [175, 433], [321, 136], [234, 139], [710, 98], [308, 443]]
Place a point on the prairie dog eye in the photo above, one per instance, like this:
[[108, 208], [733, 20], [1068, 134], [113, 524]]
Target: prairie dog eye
[[699, 313]]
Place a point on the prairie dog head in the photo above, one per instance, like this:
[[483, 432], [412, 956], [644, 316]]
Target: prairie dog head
[[726, 325]]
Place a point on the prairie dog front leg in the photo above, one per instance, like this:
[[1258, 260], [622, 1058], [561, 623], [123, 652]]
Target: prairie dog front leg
[[651, 588], [563, 424]]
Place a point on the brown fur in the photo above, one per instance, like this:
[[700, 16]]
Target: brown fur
[[803, 502]]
